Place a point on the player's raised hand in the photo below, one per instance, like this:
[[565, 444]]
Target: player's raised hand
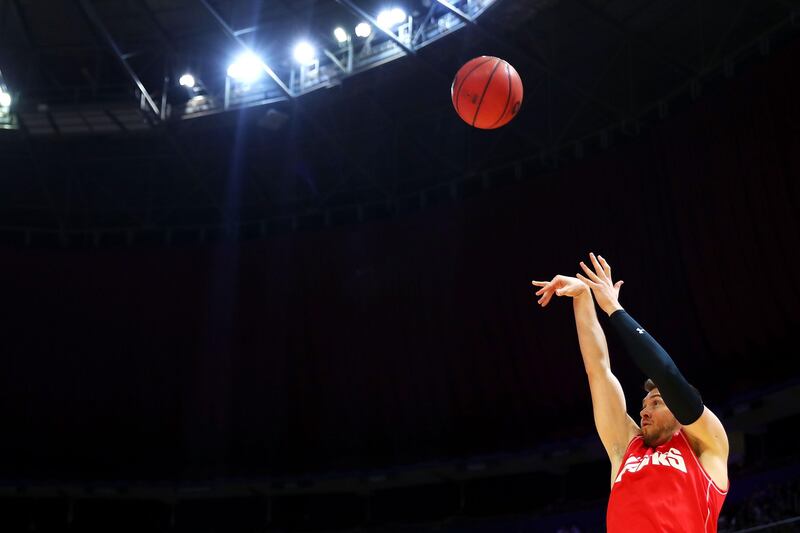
[[605, 291], [560, 286]]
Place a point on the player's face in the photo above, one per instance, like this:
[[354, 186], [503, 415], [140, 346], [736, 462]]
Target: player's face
[[657, 423]]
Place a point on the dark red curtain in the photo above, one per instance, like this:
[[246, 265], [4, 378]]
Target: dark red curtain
[[415, 338]]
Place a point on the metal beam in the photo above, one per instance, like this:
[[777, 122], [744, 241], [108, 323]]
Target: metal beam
[[24, 23], [233, 35], [245, 31], [90, 12], [165, 37], [423, 24], [330, 55], [32, 46], [363, 14], [457, 12]]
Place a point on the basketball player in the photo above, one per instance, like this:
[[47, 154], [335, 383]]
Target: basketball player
[[670, 474]]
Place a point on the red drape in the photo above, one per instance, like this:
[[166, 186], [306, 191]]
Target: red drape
[[418, 337]]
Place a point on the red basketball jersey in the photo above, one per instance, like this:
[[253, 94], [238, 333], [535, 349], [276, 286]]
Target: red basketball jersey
[[663, 489]]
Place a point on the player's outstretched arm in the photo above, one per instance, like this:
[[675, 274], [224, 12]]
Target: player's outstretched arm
[[611, 419], [699, 423]]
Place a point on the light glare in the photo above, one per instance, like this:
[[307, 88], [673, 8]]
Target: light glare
[[391, 17], [5, 99], [246, 68], [187, 80], [340, 34], [304, 53], [363, 29]]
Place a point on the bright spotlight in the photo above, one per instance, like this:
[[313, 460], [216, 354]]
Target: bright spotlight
[[304, 53], [340, 34], [5, 99], [363, 30], [187, 80], [391, 17], [246, 68]]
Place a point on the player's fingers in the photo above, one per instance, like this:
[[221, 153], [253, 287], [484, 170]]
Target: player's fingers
[[587, 281], [591, 275], [606, 266], [596, 264], [545, 286]]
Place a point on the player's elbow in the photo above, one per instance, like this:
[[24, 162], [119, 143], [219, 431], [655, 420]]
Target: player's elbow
[[598, 371]]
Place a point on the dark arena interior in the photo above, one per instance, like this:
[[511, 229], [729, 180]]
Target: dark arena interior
[[259, 276]]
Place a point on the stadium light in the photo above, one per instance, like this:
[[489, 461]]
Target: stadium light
[[304, 53], [246, 68], [363, 30], [389, 18], [340, 34], [187, 80]]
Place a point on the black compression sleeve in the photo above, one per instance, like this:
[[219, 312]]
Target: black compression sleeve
[[682, 399]]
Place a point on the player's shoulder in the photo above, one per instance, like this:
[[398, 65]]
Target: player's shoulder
[[707, 435], [634, 441]]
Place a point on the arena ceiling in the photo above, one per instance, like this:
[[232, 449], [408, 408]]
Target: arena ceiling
[[84, 159]]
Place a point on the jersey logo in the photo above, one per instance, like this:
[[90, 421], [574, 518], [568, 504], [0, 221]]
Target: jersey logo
[[672, 459]]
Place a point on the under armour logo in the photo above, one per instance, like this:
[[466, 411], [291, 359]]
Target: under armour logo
[[640, 331]]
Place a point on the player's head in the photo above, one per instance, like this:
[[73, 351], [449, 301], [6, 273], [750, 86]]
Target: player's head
[[658, 423]]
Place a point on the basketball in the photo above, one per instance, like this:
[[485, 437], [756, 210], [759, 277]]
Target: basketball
[[486, 92]]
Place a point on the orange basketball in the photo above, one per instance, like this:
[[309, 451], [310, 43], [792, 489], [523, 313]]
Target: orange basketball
[[486, 92]]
